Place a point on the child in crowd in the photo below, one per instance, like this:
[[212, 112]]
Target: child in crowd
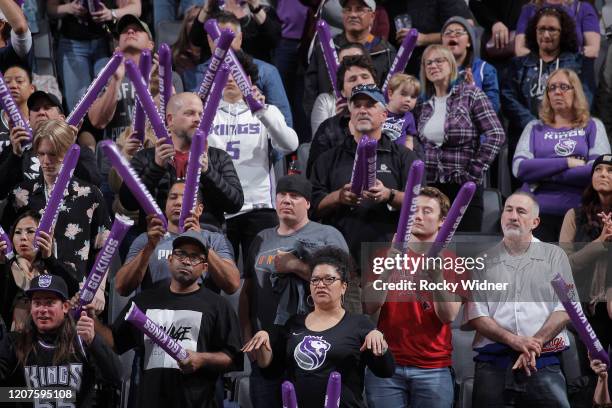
[[403, 91]]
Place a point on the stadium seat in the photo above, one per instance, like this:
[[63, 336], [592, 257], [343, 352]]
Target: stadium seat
[[303, 152], [167, 32], [492, 203], [504, 178]]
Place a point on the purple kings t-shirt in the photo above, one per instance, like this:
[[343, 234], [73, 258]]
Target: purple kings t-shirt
[[540, 161], [583, 13]]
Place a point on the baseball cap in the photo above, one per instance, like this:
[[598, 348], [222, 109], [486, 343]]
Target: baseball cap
[[369, 3], [44, 95], [603, 159], [191, 237], [294, 184], [48, 283], [131, 19], [369, 90]]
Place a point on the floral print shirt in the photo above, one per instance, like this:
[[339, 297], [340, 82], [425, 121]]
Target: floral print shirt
[[82, 225]]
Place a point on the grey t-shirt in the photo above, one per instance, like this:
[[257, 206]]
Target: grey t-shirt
[[158, 265], [260, 266]]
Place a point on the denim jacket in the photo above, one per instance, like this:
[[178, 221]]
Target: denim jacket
[[465, 155], [525, 84]]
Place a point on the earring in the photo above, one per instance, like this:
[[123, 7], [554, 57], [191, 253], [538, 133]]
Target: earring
[[309, 301], [342, 300]]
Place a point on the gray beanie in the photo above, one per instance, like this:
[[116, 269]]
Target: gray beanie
[[468, 27]]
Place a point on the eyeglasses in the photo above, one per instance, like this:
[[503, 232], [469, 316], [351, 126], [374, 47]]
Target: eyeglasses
[[194, 259], [454, 33], [550, 30], [359, 10], [328, 280], [437, 61], [562, 87]]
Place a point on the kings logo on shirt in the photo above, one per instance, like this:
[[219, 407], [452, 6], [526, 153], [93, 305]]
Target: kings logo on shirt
[[310, 353], [565, 147]]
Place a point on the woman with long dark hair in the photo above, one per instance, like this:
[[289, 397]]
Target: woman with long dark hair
[[27, 263], [53, 352], [585, 236]]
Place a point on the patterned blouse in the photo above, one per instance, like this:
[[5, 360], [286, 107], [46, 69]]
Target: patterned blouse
[[83, 222]]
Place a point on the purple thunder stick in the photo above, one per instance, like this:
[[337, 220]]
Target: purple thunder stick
[[408, 211], [359, 167], [155, 333], [57, 193], [370, 159], [10, 107], [165, 78], [120, 227], [567, 296], [192, 180], [9, 245], [329, 54], [146, 100], [222, 45], [214, 98], [133, 182], [242, 80], [288, 393], [93, 5], [453, 218], [403, 55], [334, 386], [139, 115], [81, 108]]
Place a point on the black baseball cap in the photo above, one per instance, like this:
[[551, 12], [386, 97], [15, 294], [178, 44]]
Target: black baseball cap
[[370, 90], [48, 283], [603, 159], [132, 19], [38, 95], [294, 184], [191, 237]]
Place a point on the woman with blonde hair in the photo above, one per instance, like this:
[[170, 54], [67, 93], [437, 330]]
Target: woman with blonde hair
[[555, 153], [82, 223], [458, 129]]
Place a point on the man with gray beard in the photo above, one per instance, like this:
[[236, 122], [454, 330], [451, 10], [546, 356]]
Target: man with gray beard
[[373, 216], [160, 166], [521, 330]]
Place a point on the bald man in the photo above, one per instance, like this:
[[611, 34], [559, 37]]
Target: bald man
[[160, 166]]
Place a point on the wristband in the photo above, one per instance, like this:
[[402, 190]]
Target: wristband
[[391, 196]]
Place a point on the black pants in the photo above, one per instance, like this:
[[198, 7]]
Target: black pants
[[242, 229], [472, 219]]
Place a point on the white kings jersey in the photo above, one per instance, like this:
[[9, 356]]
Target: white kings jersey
[[247, 140]]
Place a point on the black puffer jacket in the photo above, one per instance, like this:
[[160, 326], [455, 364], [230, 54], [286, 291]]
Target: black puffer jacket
[[220, 186], [317, 79]]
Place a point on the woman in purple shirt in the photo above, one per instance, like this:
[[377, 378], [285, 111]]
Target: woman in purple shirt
[[554, 155], [584, 15]]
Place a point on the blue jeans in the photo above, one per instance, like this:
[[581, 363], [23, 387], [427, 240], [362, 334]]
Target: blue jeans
[[503, 388], [79, 63], [264, 393], [411, 387], [167, 9]]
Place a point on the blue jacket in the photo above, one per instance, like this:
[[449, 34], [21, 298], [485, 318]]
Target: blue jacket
[[524, 87], [485, 78], [269, 82]]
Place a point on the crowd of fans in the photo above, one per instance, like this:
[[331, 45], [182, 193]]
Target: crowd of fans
[[486, 76]]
